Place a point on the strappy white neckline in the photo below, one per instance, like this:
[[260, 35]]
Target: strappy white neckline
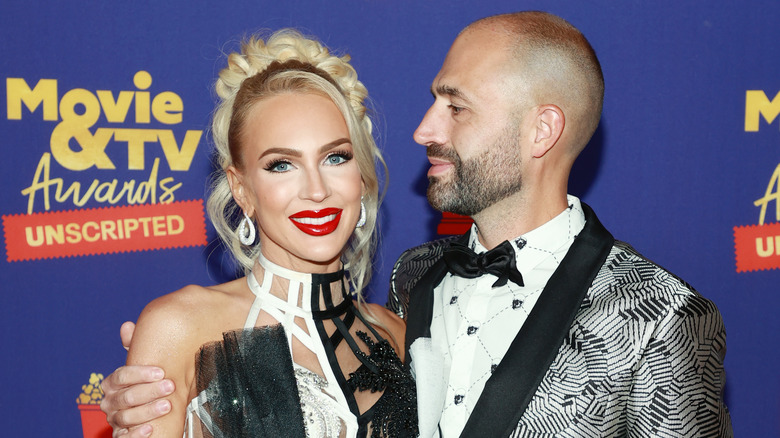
[[298, 304]]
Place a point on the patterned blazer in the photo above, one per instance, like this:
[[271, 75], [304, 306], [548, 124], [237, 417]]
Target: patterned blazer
[[615, 346]]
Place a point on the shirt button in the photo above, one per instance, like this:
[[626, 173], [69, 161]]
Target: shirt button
[[459, 399]]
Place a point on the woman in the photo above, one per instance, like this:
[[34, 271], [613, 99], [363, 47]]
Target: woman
[[284, 351]]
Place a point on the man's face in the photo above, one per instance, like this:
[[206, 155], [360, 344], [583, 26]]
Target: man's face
[[472, 131], [478, 182]]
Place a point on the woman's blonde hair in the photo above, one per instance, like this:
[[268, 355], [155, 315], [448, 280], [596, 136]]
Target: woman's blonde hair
[[288, 62]]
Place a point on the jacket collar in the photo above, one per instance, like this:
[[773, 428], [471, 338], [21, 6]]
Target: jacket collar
[[513, 383]]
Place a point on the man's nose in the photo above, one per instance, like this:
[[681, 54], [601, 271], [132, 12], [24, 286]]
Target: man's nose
[[431, 129]]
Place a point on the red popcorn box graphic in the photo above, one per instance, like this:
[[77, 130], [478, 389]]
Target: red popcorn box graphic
[[93, 422]]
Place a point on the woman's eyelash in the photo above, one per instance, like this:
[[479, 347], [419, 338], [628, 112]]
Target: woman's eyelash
[[272, 166], [283, 165], [347, 155]]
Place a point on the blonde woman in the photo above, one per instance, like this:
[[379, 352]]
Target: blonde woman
[[291, 349]]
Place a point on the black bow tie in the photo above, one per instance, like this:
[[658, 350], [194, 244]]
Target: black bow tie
[[499, 261]]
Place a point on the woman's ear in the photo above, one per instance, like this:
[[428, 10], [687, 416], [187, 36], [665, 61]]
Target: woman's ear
[[549, 123], [239, 190]]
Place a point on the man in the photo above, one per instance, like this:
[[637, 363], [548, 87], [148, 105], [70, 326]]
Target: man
[[593, 340], [555, 329]]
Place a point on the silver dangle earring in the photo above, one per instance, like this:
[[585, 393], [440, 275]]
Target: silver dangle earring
[[362, 220], [246, 230]]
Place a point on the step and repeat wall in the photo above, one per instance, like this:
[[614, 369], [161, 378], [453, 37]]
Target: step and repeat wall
[[106, 154]]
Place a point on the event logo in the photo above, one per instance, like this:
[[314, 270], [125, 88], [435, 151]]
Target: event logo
[[150, 217], [93, 420], [757, 247]]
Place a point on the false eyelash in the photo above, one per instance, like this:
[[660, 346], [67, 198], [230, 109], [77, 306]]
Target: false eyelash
[[270, 166], [348, 155]]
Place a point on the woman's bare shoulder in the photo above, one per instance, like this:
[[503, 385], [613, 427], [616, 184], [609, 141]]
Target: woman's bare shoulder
[[385, 315], [182, 320]]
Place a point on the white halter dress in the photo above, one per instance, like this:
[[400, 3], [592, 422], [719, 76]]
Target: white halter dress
[[249, 385]]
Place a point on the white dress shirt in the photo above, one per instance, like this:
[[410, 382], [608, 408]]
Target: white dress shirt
[[473, 323]]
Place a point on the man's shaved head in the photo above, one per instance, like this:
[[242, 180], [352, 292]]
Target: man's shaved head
[[551, 62]]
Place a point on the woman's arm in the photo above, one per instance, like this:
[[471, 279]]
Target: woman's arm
[[166, 336], [134, 395]]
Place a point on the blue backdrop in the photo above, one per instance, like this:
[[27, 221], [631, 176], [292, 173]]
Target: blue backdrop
[[684, 165]]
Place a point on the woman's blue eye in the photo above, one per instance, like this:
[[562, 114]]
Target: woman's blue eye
[[336, 159], [278, 166]]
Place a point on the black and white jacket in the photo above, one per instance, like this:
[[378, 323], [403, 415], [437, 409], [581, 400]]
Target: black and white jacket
[[615, 346]]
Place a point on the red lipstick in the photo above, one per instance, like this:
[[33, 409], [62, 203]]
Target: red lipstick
[[317, 222]]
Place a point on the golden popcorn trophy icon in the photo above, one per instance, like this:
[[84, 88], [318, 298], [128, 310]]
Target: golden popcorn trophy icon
[[93, 420]]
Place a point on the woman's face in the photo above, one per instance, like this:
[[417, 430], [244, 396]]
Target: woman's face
[[299, 180]]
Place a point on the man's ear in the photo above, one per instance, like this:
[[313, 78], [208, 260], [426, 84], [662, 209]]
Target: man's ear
[[549, 122], [239, 190]]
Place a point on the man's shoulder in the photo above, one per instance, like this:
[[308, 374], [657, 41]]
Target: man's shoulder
[[630, 278], [410, 267], [626, 265], [428, 252]]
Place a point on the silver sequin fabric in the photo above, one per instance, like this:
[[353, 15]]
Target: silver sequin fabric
[[318, 421]]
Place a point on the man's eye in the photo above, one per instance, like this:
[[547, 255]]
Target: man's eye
[[455, 109]]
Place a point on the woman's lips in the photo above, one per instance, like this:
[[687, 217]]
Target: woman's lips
[[317, 222]]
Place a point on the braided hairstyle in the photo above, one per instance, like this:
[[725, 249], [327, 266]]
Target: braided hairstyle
[[289, 62]]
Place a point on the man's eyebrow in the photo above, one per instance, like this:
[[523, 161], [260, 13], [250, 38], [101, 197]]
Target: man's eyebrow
[[446, 90]]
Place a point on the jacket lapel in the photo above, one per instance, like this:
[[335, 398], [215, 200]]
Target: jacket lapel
[[512, 385], [420, 313]]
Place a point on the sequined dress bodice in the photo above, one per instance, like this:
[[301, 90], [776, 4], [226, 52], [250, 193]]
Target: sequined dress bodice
[[249, 384]]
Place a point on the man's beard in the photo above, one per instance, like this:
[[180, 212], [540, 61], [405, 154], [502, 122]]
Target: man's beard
[[479, 182]]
